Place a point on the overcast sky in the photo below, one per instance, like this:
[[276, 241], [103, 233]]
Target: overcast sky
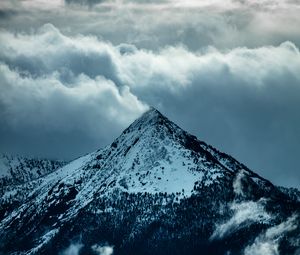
[[75, 73]]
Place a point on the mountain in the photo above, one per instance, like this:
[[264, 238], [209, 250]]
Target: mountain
[[16, 170], [155, 190]]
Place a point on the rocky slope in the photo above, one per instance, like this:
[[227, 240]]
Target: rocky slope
[[155, 190]]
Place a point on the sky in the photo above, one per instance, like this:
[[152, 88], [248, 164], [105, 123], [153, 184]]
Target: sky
[[75, 73]]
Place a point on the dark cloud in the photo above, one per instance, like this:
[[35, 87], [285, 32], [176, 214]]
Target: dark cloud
[[62, 96], [6, 14]]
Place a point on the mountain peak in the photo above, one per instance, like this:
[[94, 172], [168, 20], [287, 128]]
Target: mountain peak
[[149, 119], [157, 183], [152, 113]]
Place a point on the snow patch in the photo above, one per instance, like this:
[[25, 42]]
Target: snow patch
[[44, 240]]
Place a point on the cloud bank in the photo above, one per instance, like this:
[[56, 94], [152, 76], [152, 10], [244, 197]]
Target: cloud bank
[[268, 242], [159, 23], [76, 93], [243, 213]]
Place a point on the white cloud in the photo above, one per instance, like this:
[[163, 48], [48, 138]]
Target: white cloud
[[103, 250], [195, 24], [46, 109], [268, 242], [237, 183], [94, 95], [73, 249], [243, 213]]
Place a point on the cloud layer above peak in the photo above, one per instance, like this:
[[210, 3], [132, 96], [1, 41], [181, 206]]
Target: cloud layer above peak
[[75, 93], [156, 24]]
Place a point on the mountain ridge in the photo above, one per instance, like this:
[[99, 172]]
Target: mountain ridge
[[16, 169]]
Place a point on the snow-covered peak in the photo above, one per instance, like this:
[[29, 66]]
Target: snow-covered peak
[[149, 119], [155, 155], [152, 164]]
